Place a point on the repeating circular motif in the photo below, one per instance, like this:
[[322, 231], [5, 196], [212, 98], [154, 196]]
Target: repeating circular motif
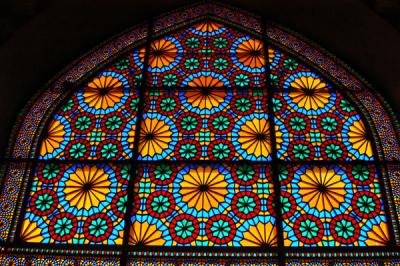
[[43, 202], [70, 262], [310, 95], [242, 79], [221, 149], [15, 173], [11, 261], [110, 262], [6, 206], [77, 149], [333, 150], [366, 204], [221, 63], [245, 175], [242, 104], [56, 138], [192, 43], [344, 229], [119, 203], [4, 223], [329, 124], [246, 204], [168, 104], [205, 101], [384, 127], [109, 149], [189, 123], [132, 104], [49, 173], [83, 123], [362, 175], [24, 141], [248, 54], [29, 126], [297, 123], [193, 63], [162, 174], [390, 143], [301, 150], [308, 229], [184, 228], [30, 261], [220, 123], [160, 204], [378, 113], [187, 150], [113, 123], [37, 112], [220, 229], [251, 137], [10, 189], [63, 226], [395, 173], [98, 227], [89, 262], [104, 94], [158, 137]]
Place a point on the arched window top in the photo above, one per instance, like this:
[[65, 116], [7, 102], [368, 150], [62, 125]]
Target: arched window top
[[175, 138]]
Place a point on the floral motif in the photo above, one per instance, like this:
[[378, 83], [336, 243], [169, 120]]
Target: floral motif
[[54, 138], [63, 226], [250, 53], [322, 188], [260, 235], [253, 136], [155, 137], [220, 229], [87, 187], [163, 53], [103, 92], [205, 81], [359, 139], [308, 229], [379, 235], [203, 188], [184, 229], [345, 229], [205, 98], [308, 92], [98, 227], [145, 234]]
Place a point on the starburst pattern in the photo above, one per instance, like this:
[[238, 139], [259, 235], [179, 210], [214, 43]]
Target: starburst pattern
[[253, 136], [87, 187], [103, 92], [203, 188], [322, 188]]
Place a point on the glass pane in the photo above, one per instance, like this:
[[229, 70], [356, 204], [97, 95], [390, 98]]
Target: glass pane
[[321, 125], [332, 205], [76, 204], [205, 124], [97, 122], [203, 205], [207, 54]]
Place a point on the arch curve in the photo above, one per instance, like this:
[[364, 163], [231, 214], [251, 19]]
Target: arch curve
[[377, 116]]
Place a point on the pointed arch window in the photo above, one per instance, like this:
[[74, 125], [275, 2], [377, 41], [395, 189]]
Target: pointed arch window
[[203, 136]]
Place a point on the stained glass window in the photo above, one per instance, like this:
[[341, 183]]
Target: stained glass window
[[217, 139]]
